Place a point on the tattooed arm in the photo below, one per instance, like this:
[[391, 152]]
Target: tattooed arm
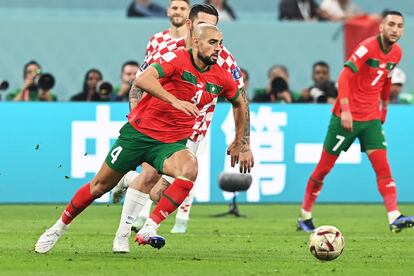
[[245, 140], [239, 150], [135, 96]]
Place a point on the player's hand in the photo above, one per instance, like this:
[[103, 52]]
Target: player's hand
[[186, 107], [383, 115], [240, 154], [346, 120], [246, 160], [233, 150]]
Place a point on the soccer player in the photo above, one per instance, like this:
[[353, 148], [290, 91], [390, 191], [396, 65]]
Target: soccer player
[[360, 109], [157, 129], [199, 13], [177, 12]]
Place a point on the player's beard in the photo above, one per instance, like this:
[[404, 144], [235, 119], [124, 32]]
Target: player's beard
[[388, 42], [177, 24], [207, 60]]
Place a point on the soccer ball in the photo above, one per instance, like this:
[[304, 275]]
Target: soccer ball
[[326, 243]]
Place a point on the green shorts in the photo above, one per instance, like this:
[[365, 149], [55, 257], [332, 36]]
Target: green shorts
[[369, 133], [132, 148]]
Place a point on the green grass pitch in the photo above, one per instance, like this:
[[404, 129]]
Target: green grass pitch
[[264, 243]]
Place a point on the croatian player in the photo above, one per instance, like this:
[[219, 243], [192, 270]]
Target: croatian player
[[360, 109], [199, 13], [158, 128], [177, 12]]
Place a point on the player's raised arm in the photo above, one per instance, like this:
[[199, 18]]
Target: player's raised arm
[[148, 81]]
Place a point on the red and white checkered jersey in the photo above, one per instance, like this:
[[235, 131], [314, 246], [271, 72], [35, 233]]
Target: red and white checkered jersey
[[157, 39], [225, 60]]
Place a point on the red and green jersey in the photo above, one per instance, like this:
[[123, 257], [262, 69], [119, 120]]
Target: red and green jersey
[[181, 77], [372, 65]]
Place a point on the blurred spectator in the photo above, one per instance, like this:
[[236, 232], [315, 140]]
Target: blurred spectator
[[145, 8], [128, 72], [398, 80], [305, 10], [340, 9], [226, 13], [323, 89], [277, 89], [36, 87], [89, 92]]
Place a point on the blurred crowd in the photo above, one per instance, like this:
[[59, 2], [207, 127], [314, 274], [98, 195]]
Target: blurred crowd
[[38, 85]]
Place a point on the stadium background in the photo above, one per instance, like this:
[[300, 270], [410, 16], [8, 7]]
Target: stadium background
[[69, 37]]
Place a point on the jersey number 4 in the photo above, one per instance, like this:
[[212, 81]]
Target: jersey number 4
[[377, 78]]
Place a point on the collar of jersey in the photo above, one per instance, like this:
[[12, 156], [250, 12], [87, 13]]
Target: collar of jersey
[[195, 65], [385, 51]]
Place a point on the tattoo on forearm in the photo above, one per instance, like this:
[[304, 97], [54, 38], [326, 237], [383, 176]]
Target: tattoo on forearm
[[246, 135], [135, 96]]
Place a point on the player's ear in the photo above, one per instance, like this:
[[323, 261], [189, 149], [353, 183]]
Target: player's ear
[[188, 23]]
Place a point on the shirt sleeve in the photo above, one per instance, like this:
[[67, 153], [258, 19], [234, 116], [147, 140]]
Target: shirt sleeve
[[149, 46], [167, 64], [358, 58], [228, 62], [231, 92]]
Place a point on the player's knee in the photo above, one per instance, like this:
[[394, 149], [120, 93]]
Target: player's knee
[[146, 180], [189, 169]]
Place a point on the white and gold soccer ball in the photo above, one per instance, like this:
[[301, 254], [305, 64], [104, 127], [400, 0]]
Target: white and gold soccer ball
[[326, 243]]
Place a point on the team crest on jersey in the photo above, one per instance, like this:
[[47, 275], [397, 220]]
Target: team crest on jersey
[[236, 73], [144, 66]]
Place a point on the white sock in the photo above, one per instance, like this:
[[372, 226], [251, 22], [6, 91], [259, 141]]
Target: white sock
[[393, 215], [128, 178], [60, 224], [183, 212], [145, 211], [150, 222], [305, 215], [134, 201]]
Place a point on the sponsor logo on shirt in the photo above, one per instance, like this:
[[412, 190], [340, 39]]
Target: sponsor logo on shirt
[[236, 73], [362, 50]]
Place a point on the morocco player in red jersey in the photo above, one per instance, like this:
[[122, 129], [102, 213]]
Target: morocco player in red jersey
[[360, 109], [140, 140], [137, 183]]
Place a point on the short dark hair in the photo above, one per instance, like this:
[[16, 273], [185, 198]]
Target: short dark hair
[[187, 1], [320, 63], [278, 66], [129, 62], [32, 62], [206, 8], [391, 12]]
